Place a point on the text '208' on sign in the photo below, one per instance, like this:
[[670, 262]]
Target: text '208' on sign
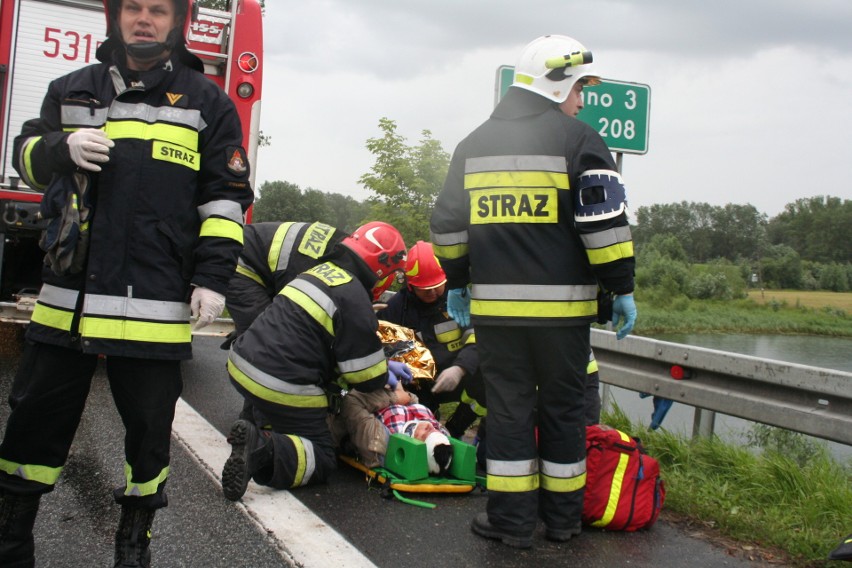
[[620, 112]]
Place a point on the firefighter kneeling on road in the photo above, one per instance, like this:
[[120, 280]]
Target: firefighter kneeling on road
[[321, 327]]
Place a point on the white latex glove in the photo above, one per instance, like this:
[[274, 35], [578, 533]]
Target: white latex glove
[[206, 305], [89, 145], [449, 379]]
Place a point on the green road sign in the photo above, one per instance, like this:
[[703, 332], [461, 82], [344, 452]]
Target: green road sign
[[618, 110]]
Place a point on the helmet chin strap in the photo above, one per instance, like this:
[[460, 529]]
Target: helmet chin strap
[[152, 50], [147, 51]]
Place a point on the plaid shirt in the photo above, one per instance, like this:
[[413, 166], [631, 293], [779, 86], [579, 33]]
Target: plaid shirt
[[395, 416]]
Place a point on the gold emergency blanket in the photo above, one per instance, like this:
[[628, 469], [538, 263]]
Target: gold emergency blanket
[[401, 344]]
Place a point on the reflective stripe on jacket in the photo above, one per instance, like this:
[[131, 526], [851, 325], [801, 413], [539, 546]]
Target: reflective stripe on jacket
[[505, 219], [168, 206]]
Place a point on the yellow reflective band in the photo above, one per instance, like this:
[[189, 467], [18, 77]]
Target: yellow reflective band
[[52, 317], [301, 460], [518, 484], [138, 130], [371, 372], [219, 227], [143, 489], [610, 253], [516, 180], [330, 274], [505, 308], [134, 330], [562, 485], [592, 367], [250, 274], [615, 488], [27, 159], [519, 205], [176, 154], [477, 408], [525, 79], [448, 336], [310, 306], [265, 393], [316, 239], [40, 473], [450, 252], [276, 244]]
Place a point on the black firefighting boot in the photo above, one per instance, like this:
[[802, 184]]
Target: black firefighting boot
[[17, 518], [251, 450], [461, 420], [133, 537]]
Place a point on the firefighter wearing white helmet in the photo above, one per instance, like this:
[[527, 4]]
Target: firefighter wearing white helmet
[[319, 329], [551, 65], [162, 146], [530, 225]]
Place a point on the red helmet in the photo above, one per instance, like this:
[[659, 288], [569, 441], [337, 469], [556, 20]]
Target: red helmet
[[422, 269], [381, 246]]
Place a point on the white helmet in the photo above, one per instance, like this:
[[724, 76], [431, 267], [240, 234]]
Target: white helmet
[[551, 64]]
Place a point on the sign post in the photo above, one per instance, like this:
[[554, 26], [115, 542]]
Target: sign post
[[618, 110]]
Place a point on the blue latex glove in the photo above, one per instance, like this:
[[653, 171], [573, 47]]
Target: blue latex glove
[[458, 306], [624, 310], [400, 372]]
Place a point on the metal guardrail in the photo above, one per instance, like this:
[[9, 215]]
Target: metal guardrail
[[805, 399]]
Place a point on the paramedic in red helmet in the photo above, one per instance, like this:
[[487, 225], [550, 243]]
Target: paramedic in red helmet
[[320, 329], [422, 306], [531, 221], [159, 148]]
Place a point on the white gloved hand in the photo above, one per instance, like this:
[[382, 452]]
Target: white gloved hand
[[206, 305], [449, 379], [89, 145]]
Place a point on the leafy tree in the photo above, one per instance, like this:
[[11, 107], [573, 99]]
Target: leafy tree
[[818, 228], [285, 201], [705, 231], [782, 267], [405, 180]]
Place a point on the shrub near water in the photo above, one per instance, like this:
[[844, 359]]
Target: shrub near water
[[791, 496]]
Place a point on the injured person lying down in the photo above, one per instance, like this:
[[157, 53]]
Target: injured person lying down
[[370, 418]]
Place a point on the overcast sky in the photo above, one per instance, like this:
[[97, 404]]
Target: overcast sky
[[751, 100]]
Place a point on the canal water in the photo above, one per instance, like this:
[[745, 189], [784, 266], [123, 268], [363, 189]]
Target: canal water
[[827, 352]]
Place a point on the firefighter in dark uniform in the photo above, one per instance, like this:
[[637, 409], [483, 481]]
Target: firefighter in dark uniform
[[321, 327], [422, 306], [273, 254], [533, 216], [159, 148]]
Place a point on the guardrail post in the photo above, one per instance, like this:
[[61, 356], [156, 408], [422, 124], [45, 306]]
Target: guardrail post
[[704, 423]]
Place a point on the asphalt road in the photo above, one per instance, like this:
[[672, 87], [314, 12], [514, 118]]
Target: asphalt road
[[340, 523]]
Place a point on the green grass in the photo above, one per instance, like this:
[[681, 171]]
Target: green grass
[[681, 315], [793, 496]]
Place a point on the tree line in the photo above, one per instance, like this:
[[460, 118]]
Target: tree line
[[693, 249]]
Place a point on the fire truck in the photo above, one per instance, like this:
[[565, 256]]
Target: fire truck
[[41, 40]]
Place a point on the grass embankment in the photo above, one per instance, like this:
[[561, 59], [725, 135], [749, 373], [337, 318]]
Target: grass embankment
[[791, 500], [787, 312]]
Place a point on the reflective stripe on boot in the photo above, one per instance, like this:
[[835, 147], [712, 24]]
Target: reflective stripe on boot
[[133, 537], [17, 518]]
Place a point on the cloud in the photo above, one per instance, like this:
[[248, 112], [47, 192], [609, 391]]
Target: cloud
[[749, 100]]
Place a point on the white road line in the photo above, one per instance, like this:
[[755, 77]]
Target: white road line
[[304, 539]]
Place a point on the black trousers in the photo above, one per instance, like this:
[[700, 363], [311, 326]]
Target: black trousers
[[47, 399], [535, 378]]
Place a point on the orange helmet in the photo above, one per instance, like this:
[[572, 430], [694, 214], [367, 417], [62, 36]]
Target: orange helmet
[[381, 246], [422, 269]]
